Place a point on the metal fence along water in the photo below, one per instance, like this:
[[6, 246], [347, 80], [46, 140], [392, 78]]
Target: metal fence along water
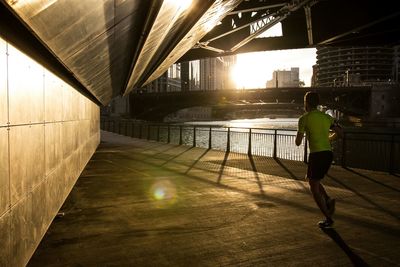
[[365, 150]]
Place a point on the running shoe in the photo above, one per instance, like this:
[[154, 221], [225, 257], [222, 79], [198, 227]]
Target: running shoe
[[327, 223]]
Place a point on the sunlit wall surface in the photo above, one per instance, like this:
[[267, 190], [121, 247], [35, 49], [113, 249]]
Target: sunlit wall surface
[[48, 132]]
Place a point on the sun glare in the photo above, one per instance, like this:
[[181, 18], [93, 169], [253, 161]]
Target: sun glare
[[253, 70], [181, 4]]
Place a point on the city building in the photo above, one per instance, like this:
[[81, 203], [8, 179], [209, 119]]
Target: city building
[[204, 74], [228, 65], [356, 66], [192, 81], [211, 74], [284, 78]]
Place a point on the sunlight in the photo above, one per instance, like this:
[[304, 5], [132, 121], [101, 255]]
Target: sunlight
[[181, 4], [253, 70], [274, 31]]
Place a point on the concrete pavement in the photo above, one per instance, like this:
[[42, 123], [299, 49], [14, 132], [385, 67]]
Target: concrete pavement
[[140, 203]]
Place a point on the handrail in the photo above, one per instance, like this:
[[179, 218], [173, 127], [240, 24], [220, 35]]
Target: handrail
[[378, 151]]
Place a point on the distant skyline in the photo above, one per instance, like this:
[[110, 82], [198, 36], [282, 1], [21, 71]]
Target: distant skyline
[[252, 70]]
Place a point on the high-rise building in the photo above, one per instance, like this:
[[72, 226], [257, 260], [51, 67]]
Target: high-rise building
[[211, 73], [203, 74], [229, 63], [194, 75], [284, 78], [170, 81], [355, 66]]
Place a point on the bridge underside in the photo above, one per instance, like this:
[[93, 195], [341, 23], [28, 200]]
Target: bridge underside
[[109, 48], [155, 106], [318, 23]]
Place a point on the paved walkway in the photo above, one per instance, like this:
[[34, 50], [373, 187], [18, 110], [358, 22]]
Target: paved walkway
[[141, 203]]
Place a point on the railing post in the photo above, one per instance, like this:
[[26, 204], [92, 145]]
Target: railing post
[[209, 138], [305, 150], [148, 131], [140, 131], [133, 129], [391, 159], [275, 143], [180, 135], [249, 147], [228, 140], [344, 150], [158, 133], [169, 134], [194, 136]]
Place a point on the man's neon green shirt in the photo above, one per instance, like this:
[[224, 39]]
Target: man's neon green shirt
[[316, 125]]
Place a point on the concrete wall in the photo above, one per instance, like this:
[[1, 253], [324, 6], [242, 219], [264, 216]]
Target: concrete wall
[[48, 132]]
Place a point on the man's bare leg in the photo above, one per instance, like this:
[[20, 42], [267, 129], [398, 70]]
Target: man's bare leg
[[329, 202], [319, 196]]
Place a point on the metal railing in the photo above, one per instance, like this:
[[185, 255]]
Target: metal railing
[[366, 150]]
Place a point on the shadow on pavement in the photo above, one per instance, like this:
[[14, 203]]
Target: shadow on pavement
[[364, 197], [371, 179], [221, 170], [355, 259], [254, 168]]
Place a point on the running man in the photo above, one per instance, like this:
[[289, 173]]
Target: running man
[[320, 129]]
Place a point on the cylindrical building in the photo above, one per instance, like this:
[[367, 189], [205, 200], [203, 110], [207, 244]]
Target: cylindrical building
[[354, 66]]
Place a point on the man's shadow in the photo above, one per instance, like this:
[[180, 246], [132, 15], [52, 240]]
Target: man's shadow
[[355, 259]]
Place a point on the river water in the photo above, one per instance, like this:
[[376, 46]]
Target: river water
[[266, 123]]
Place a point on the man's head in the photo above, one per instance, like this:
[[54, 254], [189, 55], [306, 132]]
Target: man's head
[[311, 101]]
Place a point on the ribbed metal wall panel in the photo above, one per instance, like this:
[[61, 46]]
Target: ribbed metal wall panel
[[53, 132], [3, 84]]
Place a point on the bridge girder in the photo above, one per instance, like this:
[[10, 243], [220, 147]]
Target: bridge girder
[[155, 106], [112, 47], [324, 22]]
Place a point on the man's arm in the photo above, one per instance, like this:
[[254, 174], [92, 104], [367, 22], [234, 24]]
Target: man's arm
[[299, 138], [337, 131], [300, 131]]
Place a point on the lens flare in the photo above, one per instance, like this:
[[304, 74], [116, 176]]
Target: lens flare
[[163, 193], [159, 193]]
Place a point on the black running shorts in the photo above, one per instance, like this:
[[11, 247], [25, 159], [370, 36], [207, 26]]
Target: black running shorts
[[319, 164]]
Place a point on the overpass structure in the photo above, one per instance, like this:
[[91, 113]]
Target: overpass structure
[[111, 47], [155, 106], [61, 59]]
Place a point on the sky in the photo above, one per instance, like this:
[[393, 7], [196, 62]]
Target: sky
[[252, 70]]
